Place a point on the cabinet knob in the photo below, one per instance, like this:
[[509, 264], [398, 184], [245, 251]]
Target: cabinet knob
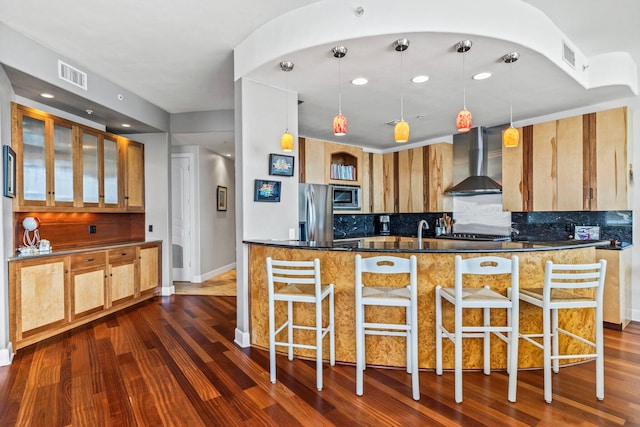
[[88, 260]]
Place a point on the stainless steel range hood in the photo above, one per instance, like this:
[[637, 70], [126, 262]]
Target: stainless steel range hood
[[471, 152]]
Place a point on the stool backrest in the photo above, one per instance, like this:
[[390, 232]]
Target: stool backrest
[[486, 266], [387, 265], [574, 276], [294, 273]]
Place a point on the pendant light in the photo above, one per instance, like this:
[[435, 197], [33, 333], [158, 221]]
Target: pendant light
[[401, 130], [511, 136], [286, 140], [464, 120], [339, 121]]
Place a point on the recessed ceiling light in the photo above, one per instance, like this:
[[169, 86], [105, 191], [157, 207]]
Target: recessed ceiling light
[[359, 81], [126, 125], [420, 79], [482, 76], [46, 95], [228, 155], [89, 112]]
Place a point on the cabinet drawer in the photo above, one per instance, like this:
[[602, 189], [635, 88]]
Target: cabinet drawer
[[88, 260], [122, 254]]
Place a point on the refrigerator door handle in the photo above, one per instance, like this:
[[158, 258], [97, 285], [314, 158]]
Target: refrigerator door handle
[[311, 215]]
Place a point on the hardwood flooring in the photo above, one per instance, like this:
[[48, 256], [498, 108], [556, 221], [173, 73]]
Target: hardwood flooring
[[171, 361], [223, 285]]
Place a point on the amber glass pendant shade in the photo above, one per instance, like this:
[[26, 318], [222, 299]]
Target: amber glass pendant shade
[[511, 137], [339, 125], [401, 131], [464, 121], [286, 142]]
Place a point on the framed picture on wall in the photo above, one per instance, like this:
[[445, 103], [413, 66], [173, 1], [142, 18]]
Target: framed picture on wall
[[266, 191], [9, 160], [281, 165], [222, 198]]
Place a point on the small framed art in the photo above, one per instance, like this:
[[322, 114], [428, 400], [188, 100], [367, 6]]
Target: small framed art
[[9, 158], [281, 165], [266, 191], [222, 198]]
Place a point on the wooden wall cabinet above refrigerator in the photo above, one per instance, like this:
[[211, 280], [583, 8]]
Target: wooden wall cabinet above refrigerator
[[62, 166], [573, 164]]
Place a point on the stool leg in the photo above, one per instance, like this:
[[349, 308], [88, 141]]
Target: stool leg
[[486, 341], [319, 345], [272, 342], [332, 331], [290, 328], [555, 339], [415, 377], [359, 349], [546, 349], [600, 353], [458, 353], [438, 332], [514, 324], [408, 338]]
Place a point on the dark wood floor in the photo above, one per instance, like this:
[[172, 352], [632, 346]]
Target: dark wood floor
[[172, 361]]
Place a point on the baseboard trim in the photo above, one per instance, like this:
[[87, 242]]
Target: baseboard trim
[[6, 355], [218, 271], [167, 291], [243, 339]]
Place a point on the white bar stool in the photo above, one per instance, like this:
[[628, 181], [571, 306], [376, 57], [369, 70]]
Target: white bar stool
[[558, 292], [486, 299], [406, 296], [301, 281]]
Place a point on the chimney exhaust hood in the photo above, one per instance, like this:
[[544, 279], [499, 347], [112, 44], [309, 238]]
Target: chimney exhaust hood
[[470, 156]]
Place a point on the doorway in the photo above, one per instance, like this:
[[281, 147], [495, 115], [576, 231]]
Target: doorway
[[182, 196]]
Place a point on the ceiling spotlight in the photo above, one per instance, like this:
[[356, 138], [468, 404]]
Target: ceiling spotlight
[[126, 125], [89, 112], [47, 95], [482, 76], [420, 79], [359, 11], [359, 81]]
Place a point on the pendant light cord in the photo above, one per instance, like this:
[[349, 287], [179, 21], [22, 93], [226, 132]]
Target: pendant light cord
[[464, 86], [401, 86], [286, 96], [510, 95], [339, 88]]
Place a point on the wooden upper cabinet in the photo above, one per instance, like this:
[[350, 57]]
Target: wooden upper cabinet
[[573, 164], [65, 166], [342, 164], [411, 180], [134, 176], [45, 161], [610, 178], [438, 165]]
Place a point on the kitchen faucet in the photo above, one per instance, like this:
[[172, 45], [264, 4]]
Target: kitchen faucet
[[423, 224]]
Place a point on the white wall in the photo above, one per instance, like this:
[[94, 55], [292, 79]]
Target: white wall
[[6, 219], [157, 198], [259, 125], [214, 231]]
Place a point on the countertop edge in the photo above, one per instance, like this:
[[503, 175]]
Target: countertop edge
[[75, 251]]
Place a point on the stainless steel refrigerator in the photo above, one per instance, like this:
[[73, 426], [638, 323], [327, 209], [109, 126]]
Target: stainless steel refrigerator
[[315, 212]]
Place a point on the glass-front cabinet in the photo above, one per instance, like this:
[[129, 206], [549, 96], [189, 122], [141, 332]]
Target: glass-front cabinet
[[64, 166], [45, 161]]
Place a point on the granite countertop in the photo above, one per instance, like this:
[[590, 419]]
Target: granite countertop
[[410, 244], [67, 251]]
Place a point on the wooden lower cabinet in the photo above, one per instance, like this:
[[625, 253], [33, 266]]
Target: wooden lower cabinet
[[616, 305], [50, 294], [39, 297]]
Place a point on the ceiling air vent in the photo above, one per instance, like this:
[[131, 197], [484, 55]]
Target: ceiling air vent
[[72, 75], [568, 55]]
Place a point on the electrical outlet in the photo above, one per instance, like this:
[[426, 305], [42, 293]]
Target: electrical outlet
[[292, 234], [92, 229], [150, 228]]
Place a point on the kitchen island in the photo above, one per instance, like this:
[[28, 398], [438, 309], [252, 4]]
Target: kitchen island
[[435, 267]]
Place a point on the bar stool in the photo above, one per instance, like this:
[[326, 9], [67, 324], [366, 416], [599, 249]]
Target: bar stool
[[558, 292], [391, 296], [301, 281], [486, 299]]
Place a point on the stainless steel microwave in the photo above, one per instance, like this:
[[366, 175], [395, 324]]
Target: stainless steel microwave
[[346, 197]]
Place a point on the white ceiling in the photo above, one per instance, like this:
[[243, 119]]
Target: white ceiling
[[179, 56]]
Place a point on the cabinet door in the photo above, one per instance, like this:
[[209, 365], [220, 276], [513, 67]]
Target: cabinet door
[[314, 161], [88, 279], [90, 169], [149, 267], [31, 153], [134, 177], [570, 164], [39, 296], [110, 182], [513, 187], [439, 165], [411, 182], [62, 178], [610, 178], [545, 175], [376, 192], [123, 283]]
